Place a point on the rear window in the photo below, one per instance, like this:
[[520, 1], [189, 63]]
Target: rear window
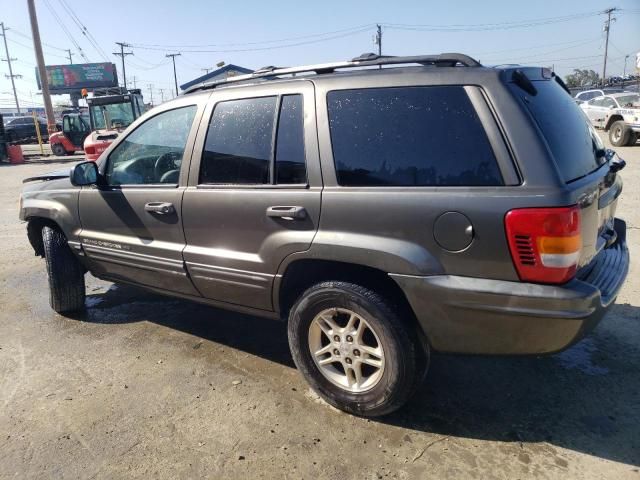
[[413, 136], [564, 126]]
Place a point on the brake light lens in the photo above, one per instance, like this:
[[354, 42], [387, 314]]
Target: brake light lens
[[91, 150], [545, 243]]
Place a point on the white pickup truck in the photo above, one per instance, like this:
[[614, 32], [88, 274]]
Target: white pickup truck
[[617, 113]]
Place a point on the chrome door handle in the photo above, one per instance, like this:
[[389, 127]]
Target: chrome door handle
[[287, 213], [161, 208]]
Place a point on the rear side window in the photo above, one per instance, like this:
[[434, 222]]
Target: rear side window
[[413, 136], [564, 126], [239, 142], [240, 147]]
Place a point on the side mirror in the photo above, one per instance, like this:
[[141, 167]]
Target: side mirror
[[85, 173]]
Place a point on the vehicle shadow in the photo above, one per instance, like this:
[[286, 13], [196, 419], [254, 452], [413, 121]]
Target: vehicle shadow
[[585, 399]]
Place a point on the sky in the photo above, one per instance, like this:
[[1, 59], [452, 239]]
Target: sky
[[564, 34]]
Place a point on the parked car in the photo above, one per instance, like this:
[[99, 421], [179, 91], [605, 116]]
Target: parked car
[[589, 94], [618, 113], [23, 128], [382, 213]]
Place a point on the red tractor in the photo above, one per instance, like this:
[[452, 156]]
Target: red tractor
[[75, 128], [110, 112]]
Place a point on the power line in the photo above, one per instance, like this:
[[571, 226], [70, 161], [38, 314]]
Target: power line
[[274, 47], [24, 35], [85, 31], [66, 30], [243, 44]]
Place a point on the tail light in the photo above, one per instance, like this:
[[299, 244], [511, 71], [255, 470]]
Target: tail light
[[545, 243], [91, 150]]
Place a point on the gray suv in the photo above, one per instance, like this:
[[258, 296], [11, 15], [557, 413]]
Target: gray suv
[[384, 213]]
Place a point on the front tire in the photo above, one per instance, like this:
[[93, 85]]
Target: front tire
[[66, 274], [633, 138], [619, 134], [58, 150], [354, 350]]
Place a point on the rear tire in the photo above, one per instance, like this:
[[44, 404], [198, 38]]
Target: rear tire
[[372, 391], [619, 134], [65, 272], [58, 150]]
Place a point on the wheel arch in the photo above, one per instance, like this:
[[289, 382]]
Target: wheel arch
[[303, 273], [34, 232], [611, 120]]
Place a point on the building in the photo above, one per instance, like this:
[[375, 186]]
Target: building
[[219, 74]]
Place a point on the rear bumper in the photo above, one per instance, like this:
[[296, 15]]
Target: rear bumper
[[481, 316]]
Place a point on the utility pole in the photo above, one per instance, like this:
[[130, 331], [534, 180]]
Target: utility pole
[[123, 54], [70, 56], [624, 72], [607, 27], [44, 82], [8, 60], [379, 38], [206, 70], [161, 95], [150, 85], [135, 83], [175, 76]]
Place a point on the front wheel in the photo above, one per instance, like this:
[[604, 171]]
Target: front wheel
[[66, 274], [354, 350], [633, 138], [619, 134], [58, 150]]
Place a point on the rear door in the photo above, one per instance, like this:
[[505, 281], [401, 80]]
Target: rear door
[[254, 191], [132, 222]]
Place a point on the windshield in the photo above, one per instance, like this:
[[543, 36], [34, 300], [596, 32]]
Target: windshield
[[632, 100], [119, 115], [565, 128]]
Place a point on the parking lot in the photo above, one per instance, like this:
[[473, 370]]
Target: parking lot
[[148, 386]]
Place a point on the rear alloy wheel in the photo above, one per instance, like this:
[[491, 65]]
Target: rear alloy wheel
[[354, 350], [619, 134], [58, 150]]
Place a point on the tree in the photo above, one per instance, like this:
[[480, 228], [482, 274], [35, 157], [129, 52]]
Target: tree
[[582, 78]]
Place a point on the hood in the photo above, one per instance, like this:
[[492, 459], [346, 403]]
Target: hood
[[64, 173]]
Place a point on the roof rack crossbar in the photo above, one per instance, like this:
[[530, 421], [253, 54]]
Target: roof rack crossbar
[[364, 60]]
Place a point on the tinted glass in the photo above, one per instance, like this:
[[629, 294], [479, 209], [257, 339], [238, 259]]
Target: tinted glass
[[152, 153], [409, 137], [564, 126], [290, 160], [239, 142]]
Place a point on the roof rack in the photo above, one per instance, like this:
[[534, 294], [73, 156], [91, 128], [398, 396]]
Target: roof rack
[[364, 60]]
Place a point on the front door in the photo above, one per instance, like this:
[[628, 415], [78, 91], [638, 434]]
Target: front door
[[132, 222], [254, 192]]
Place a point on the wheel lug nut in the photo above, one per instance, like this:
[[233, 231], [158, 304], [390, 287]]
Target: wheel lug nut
[[349, 338], [356, 352], [336, 352], [348, 360], [336, 338]]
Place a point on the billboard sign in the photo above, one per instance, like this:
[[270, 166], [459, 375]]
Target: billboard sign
[[74, 77]]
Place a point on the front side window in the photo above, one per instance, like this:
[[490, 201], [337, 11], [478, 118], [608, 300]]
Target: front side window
[[153, 152], [412, 136]]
